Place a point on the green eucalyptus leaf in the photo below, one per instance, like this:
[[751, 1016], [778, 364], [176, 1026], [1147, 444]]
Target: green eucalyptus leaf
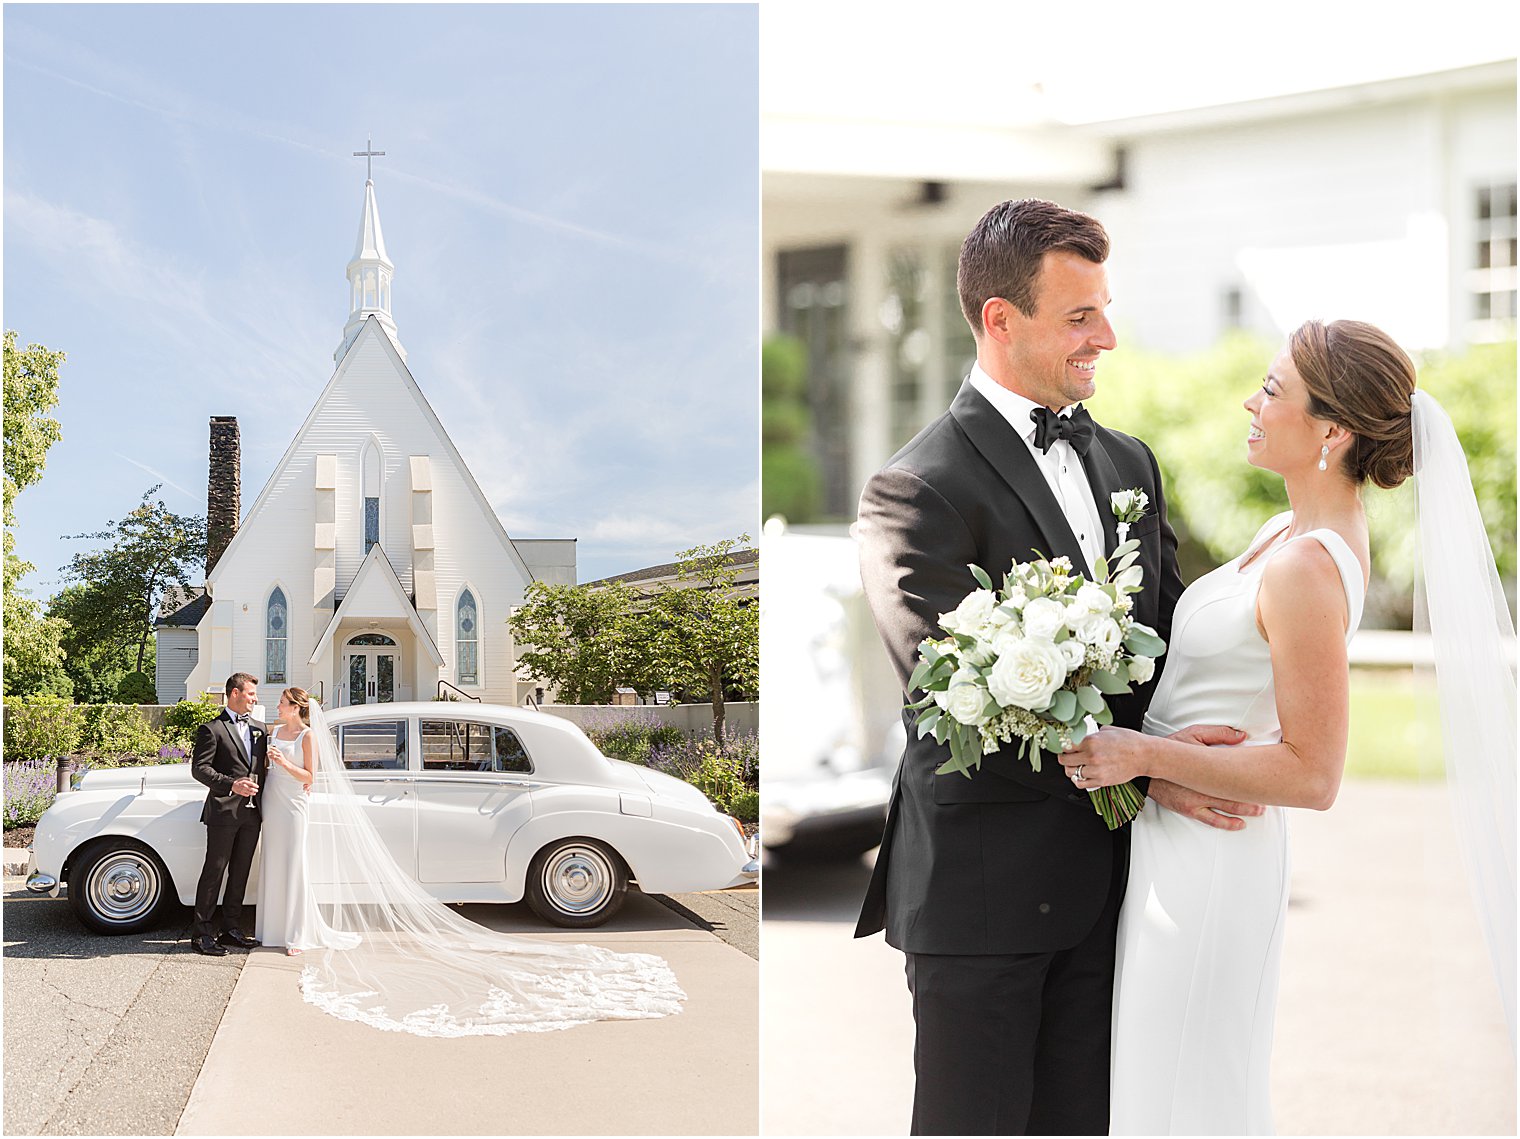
[[1137, 640], [1107, 682], [981, 576], [1090, 699], [1062, 705]]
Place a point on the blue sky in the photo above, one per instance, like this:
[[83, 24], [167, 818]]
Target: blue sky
[[569, 194]]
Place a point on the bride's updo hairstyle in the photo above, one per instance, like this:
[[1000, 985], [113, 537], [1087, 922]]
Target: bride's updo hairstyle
[[302, 700], [1359, 378]]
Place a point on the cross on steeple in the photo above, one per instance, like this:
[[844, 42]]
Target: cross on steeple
[[369, 154]]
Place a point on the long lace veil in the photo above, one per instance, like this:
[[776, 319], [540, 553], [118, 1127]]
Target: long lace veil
[[1460, 601], [399, 959]]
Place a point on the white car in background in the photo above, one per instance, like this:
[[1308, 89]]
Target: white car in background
[[831, 724], [480, 803]]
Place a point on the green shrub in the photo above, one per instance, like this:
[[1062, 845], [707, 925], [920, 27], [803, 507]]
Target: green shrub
[[746, 806], [118, 732], [136, 688], [632, 738], [720, 776], [42, 727], [182, 720]]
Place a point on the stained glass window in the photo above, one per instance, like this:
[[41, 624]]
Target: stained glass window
[[276, 638], [371, 523], [467, 641]]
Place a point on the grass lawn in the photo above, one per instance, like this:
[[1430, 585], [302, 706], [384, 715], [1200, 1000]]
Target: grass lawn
[[1395, 730]]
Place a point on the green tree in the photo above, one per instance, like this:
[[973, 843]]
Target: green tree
[[1188, 410], [705, 637], [584, 642], [33, 654], [116, 589], [788, 474]]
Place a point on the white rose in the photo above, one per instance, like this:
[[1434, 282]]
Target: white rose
[[1109, 638], [979, 656], [1028, 676], [1130, 502], [1087, 627], [1142, 669], [1042, 617], [1093, 599], [1005, 641], [942, 699], [971, 614], [1074, 651], [1016, 596], [967, 698]]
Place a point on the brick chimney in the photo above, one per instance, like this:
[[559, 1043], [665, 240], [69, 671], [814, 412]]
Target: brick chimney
[[223, 488]]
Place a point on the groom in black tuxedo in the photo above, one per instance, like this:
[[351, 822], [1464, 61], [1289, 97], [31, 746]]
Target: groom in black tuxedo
[[1003, 889], [228, 750]]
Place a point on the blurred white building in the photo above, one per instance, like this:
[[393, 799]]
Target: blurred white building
[[1390, 201]]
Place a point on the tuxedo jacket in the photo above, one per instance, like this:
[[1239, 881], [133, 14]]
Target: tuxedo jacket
[[218, 760], [1010, 860]]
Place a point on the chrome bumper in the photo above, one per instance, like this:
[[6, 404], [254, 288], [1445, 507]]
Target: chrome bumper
[[36, 881]]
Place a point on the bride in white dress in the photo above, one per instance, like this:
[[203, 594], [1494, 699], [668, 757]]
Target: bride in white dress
[[1260, 644], [287, 912], [390, 955]]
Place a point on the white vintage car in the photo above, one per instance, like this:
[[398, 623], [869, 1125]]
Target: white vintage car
[[480, 803]]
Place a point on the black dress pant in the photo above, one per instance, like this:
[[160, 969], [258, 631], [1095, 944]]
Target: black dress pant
[[229, 851], [1015, 1044]]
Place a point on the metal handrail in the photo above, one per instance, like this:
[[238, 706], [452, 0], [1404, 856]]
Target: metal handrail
[[442, 695]]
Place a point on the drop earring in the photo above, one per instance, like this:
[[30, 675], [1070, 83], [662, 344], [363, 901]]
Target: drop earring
[[1324, 454]]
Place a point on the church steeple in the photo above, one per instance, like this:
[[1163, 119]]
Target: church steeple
[[369, 276]]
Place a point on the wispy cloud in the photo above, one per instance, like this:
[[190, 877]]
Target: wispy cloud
[[159, 475]]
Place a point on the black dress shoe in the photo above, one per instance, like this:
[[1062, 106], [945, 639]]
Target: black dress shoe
[[237, 939], [204, 944]]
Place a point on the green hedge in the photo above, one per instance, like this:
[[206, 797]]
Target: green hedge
[[42, 727]]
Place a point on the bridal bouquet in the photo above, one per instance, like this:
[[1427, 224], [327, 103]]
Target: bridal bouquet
[[1035, 660]]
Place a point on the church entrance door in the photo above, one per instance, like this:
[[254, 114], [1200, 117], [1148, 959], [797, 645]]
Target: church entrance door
[[369, 669]]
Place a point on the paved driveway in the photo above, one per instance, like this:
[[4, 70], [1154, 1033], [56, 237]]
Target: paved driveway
[[1388, 1021], [139, 1036]]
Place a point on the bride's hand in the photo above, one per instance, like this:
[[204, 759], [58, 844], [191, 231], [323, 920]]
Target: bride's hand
[[1106, 758]]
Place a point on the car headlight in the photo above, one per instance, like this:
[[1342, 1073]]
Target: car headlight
[[738, 826]]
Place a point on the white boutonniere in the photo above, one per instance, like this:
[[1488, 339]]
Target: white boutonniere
[[1129, 506]]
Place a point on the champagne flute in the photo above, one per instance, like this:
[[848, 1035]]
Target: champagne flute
[[253, 778]]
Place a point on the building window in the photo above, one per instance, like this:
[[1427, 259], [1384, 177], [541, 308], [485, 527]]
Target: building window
[[814, 307], [372, 471], [276, 638], [905, 318], [466, 640], [1492, 271]]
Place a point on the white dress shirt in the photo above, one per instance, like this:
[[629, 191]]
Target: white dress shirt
[[1061, 465]]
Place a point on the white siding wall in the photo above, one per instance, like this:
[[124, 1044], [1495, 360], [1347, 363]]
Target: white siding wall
[[1354, 213], [275, 541], [175, 657]]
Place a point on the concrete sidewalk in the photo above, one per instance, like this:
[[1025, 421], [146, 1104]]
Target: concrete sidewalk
[[696, 1073]]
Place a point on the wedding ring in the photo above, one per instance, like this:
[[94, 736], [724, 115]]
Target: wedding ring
[[1077, 778]]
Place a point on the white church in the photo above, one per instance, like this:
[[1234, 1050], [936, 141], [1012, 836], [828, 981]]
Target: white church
[[406, 578]]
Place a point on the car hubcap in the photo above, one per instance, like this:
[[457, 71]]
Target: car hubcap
[[578, 879], [123, 886]]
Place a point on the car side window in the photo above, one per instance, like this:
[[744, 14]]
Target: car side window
[[455, 745], [376, 745], [510, 754]]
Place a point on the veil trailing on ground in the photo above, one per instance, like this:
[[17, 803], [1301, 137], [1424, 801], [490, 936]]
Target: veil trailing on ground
[[1460, 601], [398, 959]]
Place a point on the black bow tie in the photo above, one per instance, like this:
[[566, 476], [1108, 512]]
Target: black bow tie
[[236, 719], [1076, 428]]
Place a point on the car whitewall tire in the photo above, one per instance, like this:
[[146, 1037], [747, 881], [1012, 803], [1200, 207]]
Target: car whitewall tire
[[577, 883]]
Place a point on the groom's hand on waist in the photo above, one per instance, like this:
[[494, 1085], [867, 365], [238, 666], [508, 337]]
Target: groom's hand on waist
[[1225, 814]]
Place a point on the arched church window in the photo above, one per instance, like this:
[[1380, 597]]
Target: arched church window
[[276, 637], [371, 496], [467, 640], [369, 288], [369, 640]]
